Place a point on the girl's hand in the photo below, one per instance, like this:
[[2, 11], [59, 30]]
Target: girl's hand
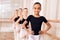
[[42, 32], [31, 32]]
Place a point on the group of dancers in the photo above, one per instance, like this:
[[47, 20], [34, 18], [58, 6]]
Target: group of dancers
[[28, 27]]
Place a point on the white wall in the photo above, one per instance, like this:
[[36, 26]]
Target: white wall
[[52, 12], [58, 17]]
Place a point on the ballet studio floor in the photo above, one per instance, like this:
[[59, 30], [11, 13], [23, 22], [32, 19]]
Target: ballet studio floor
[[6, 36]]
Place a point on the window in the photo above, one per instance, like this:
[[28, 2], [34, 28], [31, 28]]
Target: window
[[5, 8]]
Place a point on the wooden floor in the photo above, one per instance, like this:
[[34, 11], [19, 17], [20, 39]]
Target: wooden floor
[[10, 36], [6, 36]]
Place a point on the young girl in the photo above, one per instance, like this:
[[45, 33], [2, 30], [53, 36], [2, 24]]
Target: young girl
[[18, 27], [14, 20], [23, 33], [36, 22]]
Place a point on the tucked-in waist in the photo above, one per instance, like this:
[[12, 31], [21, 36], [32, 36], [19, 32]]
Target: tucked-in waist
[[36, 32]]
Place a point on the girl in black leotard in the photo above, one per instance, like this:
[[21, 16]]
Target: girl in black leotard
[[23, 33], [36, 23], [18, 14]]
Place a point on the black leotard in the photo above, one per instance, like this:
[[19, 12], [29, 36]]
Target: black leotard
[[21, 21]]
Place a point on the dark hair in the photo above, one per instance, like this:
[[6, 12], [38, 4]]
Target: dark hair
[[20, 8], [25, 8], [16, 9], [37, 3]]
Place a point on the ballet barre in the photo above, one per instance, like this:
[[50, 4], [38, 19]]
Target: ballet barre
[[56, 21], [48, 34], [53, 36], [5, 20], [8, 20]]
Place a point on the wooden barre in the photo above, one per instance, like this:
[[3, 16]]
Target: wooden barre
[[7, 20], [53, 36], [56, 21]]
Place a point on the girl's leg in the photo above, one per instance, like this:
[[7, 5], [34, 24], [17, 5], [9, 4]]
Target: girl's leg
[[40, 37], [15, 35], [25, 37], [22, 34]]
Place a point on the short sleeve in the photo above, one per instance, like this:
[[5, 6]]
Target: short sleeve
[[45, 20], [16, 19], [28, 19]]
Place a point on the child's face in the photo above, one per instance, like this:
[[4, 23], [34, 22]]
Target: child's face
[[25, 12], [36, 9], [20, 12]]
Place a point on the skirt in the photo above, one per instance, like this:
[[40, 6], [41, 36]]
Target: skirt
[[35, 37]]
